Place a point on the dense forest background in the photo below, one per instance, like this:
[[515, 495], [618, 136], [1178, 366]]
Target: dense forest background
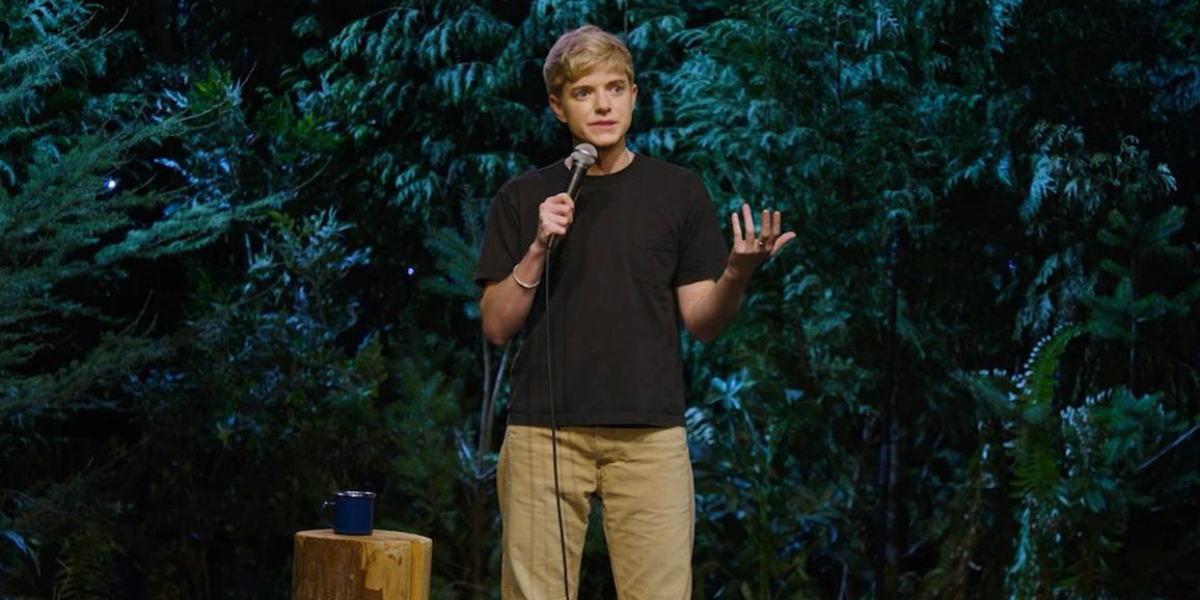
[[237, 243]]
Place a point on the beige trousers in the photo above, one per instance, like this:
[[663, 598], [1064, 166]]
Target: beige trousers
[[642, 478]]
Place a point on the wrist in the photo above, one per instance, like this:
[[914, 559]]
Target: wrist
[[525, 285], [737, 276], [537, 250]]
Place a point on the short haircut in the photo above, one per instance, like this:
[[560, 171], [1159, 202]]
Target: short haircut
[[578, 52]]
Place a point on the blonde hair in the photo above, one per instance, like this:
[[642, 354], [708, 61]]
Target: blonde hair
[[578, 52]]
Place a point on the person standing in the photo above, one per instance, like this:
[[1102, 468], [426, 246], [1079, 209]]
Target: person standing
[[638, 254]]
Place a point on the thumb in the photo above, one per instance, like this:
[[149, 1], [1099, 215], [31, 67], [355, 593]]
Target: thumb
[[782, 241]]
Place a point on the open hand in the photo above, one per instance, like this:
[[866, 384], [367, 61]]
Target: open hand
[[752, 249]]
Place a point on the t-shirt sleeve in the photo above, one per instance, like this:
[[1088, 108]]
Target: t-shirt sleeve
[[501, 239], [702, 253]]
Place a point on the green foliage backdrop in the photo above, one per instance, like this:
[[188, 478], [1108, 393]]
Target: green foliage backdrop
[[237, 244]]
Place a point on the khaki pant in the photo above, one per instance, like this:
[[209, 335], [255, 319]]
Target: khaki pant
[[643, 480]]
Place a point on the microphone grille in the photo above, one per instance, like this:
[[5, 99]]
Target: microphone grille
[[585, 154]]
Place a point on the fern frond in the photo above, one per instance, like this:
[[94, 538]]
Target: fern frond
[[1036, 384]]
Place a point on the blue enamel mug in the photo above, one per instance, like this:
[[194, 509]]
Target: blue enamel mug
[[353, 512]]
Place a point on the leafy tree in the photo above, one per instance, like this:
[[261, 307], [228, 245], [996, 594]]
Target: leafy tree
[[82, 221], [264, 414], [967, 178]]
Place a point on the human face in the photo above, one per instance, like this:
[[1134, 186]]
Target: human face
[[597, 108]]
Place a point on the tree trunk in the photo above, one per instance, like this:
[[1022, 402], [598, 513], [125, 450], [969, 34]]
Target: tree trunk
[[386, 565]]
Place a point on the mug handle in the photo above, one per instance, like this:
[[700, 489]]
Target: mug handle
[[323, 515]]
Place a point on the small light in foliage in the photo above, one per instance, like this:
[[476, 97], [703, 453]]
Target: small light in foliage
[[410, 271], [111, 184], [1012, 266]]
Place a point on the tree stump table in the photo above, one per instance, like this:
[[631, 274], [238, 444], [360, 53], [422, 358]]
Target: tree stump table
[[386, 565]]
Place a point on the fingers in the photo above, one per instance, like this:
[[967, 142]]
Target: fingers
[[560, 204], [772, 238], [770, 225], [749, 222], [556, 214]]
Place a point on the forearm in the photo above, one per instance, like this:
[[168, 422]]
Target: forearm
[[709, 313], [505, 304]]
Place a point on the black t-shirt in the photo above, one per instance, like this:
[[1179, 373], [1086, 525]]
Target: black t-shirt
[[637, 235]]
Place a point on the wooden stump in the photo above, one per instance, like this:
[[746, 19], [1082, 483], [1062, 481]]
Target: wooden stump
[[386, 565]]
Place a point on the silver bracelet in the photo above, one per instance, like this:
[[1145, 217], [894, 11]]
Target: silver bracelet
[[528, 286]]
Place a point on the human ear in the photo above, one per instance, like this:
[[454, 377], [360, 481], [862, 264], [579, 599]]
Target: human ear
[[557, 107]]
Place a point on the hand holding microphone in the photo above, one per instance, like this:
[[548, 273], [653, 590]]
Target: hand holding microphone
[[554, 218], [558, 211]]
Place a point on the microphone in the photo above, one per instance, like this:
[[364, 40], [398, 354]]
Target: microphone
[[584, 156]]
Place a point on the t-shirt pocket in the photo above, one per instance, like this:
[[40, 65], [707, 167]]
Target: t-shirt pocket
[[654, 262]]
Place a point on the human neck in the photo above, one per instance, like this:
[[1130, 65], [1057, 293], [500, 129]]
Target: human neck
[[611, 160]]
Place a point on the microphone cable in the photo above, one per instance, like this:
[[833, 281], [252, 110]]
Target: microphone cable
[[583, 157], [562, 538]]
